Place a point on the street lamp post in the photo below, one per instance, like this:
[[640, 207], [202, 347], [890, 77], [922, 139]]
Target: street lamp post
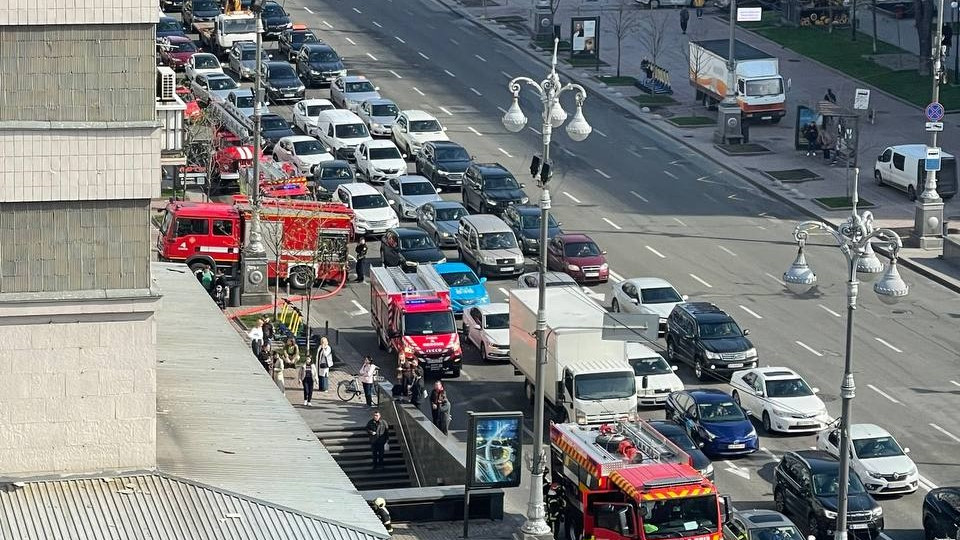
[[928, 213], [956, 45], [854, 238], [729, 121], [553, 116]]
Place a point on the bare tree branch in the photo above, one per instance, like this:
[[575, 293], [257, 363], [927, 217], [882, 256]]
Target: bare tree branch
[[653, 33], [623, 22]]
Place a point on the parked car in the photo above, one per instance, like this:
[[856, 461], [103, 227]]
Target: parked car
[[486, 244], [242, 60], [653, 296], [531, 280], [281, 83], [318, 64], [488, 188], [349, 91], [579, 256], [177, 51], [903, 168], [466, 289], [378, 114], [713, 419], [201, 63], [780, 399], [328, 176], [199, 11], [293, 38], [210, 87], [273, 128], [244, 101], [806, 485], [371, 213], [678, 436], [941, 513], [488, 329], [409, 248], [275, 19], [168, 26], [708, 339], [655, 377], [379, 161], [440, 219], [414, 128], [443, 163], [524, 220], [760, 525], [303, 151], [407, 193], [878, 458]]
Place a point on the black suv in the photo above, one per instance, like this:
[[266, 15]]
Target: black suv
[[292, 39], [524, 220], [488, 188], [806, 486], [281, 82], [275, 19], [941, 512], [318, 63], [443, 163], [703, 336]]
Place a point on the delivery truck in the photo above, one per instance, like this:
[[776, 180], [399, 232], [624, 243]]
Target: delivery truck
[[586, 378], [759, 87]]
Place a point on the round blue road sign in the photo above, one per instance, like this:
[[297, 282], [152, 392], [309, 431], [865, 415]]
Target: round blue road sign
[[934, 112]]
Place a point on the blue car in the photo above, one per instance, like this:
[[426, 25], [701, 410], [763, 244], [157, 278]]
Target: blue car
[[713, 419], [466, 289]]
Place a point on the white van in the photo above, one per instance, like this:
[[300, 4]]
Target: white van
[[902, 167], [341, 131], [655, 377], [371, 213]]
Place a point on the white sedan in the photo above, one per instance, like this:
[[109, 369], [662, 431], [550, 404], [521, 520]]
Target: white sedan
[[649, 296], [379, 160], [305, 113], [303, 151], [202, 63], [880, 462], [780, 399], [487, 327]]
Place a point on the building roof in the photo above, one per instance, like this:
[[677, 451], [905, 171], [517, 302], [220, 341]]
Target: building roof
[[222, 422], [151, 505]]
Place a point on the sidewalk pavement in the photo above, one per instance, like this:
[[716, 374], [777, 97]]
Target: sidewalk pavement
[[898, 122]]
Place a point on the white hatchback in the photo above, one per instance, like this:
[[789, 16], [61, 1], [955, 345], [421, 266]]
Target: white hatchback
[[487, 328]]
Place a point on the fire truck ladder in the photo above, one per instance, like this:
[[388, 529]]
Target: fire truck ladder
[[425, 282]]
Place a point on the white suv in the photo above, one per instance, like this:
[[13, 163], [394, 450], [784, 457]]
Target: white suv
[[379, 161], [371, 213], [413, 128]]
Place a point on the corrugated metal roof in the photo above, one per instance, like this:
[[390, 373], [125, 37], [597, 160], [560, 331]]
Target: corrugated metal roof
[[222, 421], [150, 506]]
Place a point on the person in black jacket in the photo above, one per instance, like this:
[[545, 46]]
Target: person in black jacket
[[361, 258], [377, 429]]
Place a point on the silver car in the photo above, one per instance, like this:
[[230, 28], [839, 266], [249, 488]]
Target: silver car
[[242, 60], [349, 91], [407, 193], [213, 87], [379, 116], [440, 219]]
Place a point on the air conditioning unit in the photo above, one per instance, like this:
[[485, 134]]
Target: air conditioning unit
[[166, 83]]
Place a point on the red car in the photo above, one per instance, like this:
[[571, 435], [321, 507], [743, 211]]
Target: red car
[[192, 113], [578, 256], [177, 50]]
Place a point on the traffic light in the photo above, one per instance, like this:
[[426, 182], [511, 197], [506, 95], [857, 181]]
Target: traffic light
[[535, 166]]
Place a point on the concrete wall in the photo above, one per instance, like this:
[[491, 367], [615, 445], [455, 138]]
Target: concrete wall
[[951, 250], [31, 12], [78, 383]]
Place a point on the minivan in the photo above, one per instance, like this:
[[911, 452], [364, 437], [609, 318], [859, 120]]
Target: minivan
[[341, 131], [903, 168], [487, 245]]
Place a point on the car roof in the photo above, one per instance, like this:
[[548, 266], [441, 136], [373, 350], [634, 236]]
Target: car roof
[[915, 150], [527, 209], [449, 267], [354, 78], [316, 101], [245, 44], [339, 163], [774, 373], [177, 39], [763, 518], [216, 75], [667, 426], [446, 204], [487, 222], [415, 114], [319, 45], [709, 395], [650, 282], [380, 101], [273, 115], [297, 138], [359, 188], [411, 179], [407, 232], [444, 144], [575, 237], [380, 143], [705, 311], [867, 431], [818, 460], [276, 63], [339, 116], [486, 168], [494, 308]]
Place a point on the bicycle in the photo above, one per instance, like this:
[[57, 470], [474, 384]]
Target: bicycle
[[352, 388]]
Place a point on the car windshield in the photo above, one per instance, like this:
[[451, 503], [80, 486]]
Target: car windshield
[[222, 84], [362, 86], [684, 516], [616, 385], [186, 46], [272, 10], [659, 295], [309, 148], [244, 102], [417, 126], [313, 110], [497, 321], [450, 214], [417, 188], [202, 5], [500, 240], [460, 279], [303, 37], [239, 26], [788, 532], [385, 153], [500, 182], [364, 202], [785, 388], [282, 71], [417, 241], [248, 54], [169, 25], [335, 173], [876, 447], [389, 109], [273, 123], [767, 87], [827, 484], [723, 411], [580, 249], [326, 57], [679, 438], [351, 131], [423, 324], [532, 221], [452, 154], [205, 61], [650, 366], [719, 330]]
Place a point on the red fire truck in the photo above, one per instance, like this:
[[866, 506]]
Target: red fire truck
[[412, 313], [304, 240], [627, 481]]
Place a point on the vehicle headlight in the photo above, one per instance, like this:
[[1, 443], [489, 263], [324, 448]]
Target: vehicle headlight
[[708, 470], [410, 263], [488, 260], [446, 234], [530, 241], [301, 88], [877, 512], [442, 260], [709, 436], [376, 126], [912, 472], [360, 219], [780, 412], [874, 474], [823, 412], [604, 266], [751, 353], [573, 268], [712, 355], [442, 173], [408, 349], [342, 73], [524, 200], [580, 416], [829, 514], [314, 72], [491, 203], [752, 434]]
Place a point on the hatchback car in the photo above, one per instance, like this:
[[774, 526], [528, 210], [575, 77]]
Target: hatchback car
[[488, 329], [807, 484], [303, 151], [579, 256], [466, 289], [409, 248], [281, 83], [371, 213], [305, 113], [760, 525], [378, 114], [703, 336], [653, 296], [318, 64], [941, 513], [379, 161], [488, 188], [408, 193], [878, 458], [780, 399], [678, 436], [328, 176], [712, 418], [524, 220], [440, 219], [293, 38], [349, 91], [443, 163]]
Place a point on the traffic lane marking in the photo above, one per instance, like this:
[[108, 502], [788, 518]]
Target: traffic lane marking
[[828, 310], [670, 174], [360, 309], [639, 196], [751, 312], [571, 197], [612, 224], [702, 282], [615, 276], [732, 254], [809, 348], [888, 345], [678, 220], [882, 393], [655, 252], [945, 432], [603, 174]]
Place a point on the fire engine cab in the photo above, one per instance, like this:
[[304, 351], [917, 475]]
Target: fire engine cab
[[627, 481], [412, 313]]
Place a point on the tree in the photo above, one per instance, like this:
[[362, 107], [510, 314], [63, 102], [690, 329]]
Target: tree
[[199, 143], [623, 22], [923, 18], [653, 33]]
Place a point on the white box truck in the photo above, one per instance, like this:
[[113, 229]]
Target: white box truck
[[759, 86], [586, 378]]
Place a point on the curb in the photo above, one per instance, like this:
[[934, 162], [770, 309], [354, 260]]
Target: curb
[[951, 284]]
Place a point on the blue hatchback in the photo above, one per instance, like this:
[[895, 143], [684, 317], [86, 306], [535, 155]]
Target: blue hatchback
[[466, 289], [712, 418]]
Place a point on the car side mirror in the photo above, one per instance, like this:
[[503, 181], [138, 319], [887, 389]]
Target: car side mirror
[[635, 300], [444, 128], [906, 450], [815, 390], [674, 368], [404, 156], [559, 223], [377, 88], [603, 252], [559, 390], [483, 280], [759, 393], [746, 412], [391, 202], [476, 327], [701, 444], [746, 331], [684, 297]]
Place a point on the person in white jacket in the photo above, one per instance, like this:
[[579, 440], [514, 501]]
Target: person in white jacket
[[324, 363], [256, 337], [367, 373]]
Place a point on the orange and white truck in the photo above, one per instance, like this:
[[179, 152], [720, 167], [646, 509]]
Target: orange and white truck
[[626, 481], [759, 87]]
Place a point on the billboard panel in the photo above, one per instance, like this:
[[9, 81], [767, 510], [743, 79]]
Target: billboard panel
[[584, 37], [494, 449]]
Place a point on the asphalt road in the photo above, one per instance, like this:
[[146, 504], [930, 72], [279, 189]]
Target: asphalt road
[[661, 209]]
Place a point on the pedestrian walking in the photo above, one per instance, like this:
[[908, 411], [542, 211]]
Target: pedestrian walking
[[406, 375], [256, 337], [361, 258], [268, 330], [324, 363], [684, 19], [380, 509], [308, 378], [378, 430], [291, 352], [810, 133], [830, 96], [698, 4], [207, 278], [417, 390], [367, 373], [440, 407], [265, 356]]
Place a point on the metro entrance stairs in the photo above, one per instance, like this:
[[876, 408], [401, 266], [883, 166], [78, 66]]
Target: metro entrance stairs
[[350, 447]]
